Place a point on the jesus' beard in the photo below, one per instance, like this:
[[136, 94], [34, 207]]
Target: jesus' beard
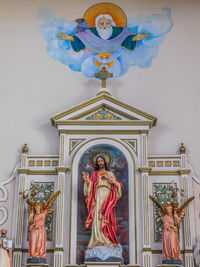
[[105, 34]]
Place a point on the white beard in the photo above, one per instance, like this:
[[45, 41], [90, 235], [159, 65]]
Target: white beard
[[105, 34]]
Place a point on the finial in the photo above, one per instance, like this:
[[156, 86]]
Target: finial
[[25, 149], [182, 149]]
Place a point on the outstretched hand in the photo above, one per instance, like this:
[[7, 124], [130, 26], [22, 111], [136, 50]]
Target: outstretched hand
[[140, 36], [65, 36]]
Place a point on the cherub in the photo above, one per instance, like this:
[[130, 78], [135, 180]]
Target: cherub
[[171, 217]]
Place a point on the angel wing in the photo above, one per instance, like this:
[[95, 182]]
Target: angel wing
[[52, 199], [181, 210], [160, 206]]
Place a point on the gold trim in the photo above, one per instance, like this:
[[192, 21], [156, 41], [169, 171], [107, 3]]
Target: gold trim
[[74, 139], [104, 97], [184, 171], [86, 132], [135, 206], [145, 169], [42, 157], [61, 169], [103, 92], [22, 171], [101, 106], [108, 123], [59, 249], [17, 250], [164, 173], [147, 250], [101, 263], [163, 157], [188, 251], [158, 251], [136, 142], [41, 172]]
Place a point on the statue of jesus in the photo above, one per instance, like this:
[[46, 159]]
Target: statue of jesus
[[101, 191]]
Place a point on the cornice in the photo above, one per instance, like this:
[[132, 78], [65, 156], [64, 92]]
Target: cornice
[[92, 132]]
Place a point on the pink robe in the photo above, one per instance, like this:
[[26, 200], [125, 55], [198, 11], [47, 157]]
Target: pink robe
[[170, 243], [37, 241]]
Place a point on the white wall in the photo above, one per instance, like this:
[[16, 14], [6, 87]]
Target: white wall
[[34, 87]]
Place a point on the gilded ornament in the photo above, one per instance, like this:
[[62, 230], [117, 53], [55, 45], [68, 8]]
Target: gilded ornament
[[182, 149], [25, 149]]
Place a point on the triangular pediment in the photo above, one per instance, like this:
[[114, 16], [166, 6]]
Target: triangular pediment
[[103, 109]]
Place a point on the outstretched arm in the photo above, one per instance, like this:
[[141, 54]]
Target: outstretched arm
[[65, 36], [140, 36]]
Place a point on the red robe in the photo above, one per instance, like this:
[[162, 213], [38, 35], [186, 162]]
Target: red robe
[[107, 213]]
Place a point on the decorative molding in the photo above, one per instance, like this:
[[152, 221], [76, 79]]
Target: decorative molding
[[73, 142], [61, 169], [145, 169], [132, 143], [119, 132], [58, 249], [105, 123], [25, 250], [111, 100], [42, 172], [103, 114], [4, 196], [22, 171], [184, 171], [5, 215], [160, 173], [147, 250]]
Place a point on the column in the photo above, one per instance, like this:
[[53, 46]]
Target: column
[[59, 246], [187, 223], [17, 254], [147, 252]]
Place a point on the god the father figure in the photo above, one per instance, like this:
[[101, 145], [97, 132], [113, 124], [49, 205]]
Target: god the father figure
[[101, 191]]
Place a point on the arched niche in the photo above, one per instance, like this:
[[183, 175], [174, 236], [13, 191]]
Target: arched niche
[[131, 187]]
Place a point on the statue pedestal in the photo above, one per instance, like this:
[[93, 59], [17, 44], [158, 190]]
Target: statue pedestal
[[104, 254]]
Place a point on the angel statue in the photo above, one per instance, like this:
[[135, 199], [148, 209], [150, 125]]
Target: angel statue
[[171, 217], [36, 225]]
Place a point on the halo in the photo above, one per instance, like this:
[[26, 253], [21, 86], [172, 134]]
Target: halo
[[98, 153], [113, 10]]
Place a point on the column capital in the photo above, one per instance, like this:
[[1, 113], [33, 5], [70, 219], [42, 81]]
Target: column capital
[[62, 169], [22, 171], [145, 169], [184, 171]]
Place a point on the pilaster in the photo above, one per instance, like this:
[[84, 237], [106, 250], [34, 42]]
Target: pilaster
[[147, 252], [187, 223], [17, 255], [59, 246]]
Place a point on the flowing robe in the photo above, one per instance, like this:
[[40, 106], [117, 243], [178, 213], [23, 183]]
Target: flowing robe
[[5, 256], [37, 241], [171, 248], [89, 38], [101, 197]]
